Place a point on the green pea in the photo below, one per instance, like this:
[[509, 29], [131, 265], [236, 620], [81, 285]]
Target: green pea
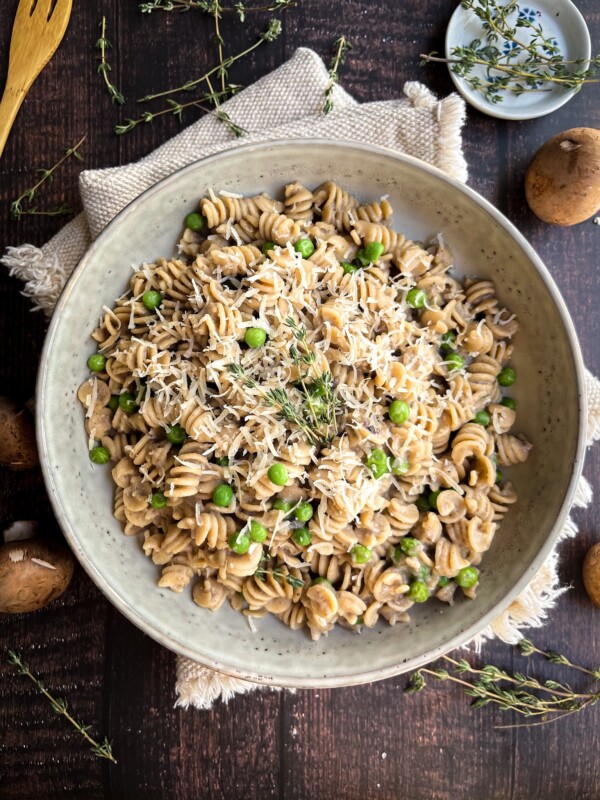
[[377, 462], [360, 621], [442, 581], [302, 537], [499, 475], [374, 251], [223, 495], [96, 362], [99, 455], [195, 222], [416, 298], [482, 418], [399, 466], [318, 405], [361, 258], [410, 546], [303, 512], [128, 402], [507, 376], [239, 542], [454, 361], [176, 434], [467, 577], [509, 402], [348, 268], [305, 247], [158, 500], [398, 411], [433, 496], [255, 337], [319, 580], [360, 554], [423, 504], [258, 532], [448, 342], [113, 403], [418, 592], [267, 246], [282, 505], [424, 572], [152, 299], [222, 462], [278, 474]]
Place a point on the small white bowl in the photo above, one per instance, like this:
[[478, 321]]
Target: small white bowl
[[561, 20]]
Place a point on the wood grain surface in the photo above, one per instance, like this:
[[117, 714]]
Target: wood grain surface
[[356, 743]]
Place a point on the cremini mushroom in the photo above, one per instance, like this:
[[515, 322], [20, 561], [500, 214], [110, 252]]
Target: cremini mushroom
[[17, 437], [33, 572], [591, 574], [562, 184]]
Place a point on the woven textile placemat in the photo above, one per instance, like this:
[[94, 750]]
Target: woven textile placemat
[[287, 104]]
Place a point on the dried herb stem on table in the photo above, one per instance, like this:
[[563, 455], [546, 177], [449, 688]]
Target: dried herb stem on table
[[510, 63], [546, 700], [104, 67], [342, 47], [212, 96], [101, 749], [241, 9], [47, 176]]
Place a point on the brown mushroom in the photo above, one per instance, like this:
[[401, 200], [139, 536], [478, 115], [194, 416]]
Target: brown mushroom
[[562, 184], [591, 574], [17, 437], [33, 572]]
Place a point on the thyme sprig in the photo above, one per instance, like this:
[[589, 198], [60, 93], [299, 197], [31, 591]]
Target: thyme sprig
[[47, 176], [101, 749], [509, 63], [278, 399], [279, 575], [172, 107], [320, 397], [548, 700], [104, 67], [241, 9], [269, 35], [342, 47]]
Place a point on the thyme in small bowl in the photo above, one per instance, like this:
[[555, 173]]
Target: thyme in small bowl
[[101, 749], [543, 701], [17, 209], [514, 55]]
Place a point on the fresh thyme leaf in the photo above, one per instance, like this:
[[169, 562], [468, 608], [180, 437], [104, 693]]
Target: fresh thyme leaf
[[548, 701], [17, 209], [342, 47], [104, 67], [103, 749], [510, 63], [279, 574], [207, 6]]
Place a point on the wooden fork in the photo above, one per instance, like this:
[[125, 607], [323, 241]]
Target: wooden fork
[[38, 30]]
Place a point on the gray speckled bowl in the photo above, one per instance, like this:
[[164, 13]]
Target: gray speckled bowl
[[551, 413]]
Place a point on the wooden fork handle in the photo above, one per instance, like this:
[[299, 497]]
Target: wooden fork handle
[[9, 107]]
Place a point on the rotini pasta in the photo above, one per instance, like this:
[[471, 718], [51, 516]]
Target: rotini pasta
[[304, 412]]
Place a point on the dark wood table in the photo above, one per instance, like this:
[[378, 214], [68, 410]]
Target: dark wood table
[[363, 742]]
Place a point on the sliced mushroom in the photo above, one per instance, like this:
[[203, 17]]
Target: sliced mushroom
[[33, 572]]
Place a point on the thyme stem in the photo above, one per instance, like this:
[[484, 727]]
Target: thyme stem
[[104, 67], [172, 108], [102, 750], [342, 46], [16, 207]]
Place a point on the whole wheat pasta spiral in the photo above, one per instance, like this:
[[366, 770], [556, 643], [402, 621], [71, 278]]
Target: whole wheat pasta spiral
[[304, 414]]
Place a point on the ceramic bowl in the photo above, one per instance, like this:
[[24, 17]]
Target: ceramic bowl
[[563, 25], [548, 392]]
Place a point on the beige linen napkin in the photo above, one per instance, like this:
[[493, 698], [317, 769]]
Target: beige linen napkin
[[286, 104]]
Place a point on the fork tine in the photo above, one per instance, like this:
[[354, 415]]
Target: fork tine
[[60, 11]]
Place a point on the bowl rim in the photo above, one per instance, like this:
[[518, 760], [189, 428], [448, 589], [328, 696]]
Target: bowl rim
[[272, 678], [473, 98]]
